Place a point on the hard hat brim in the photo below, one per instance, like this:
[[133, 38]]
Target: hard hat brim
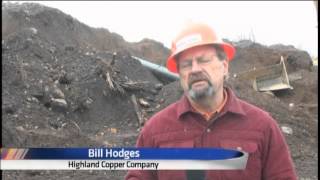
[[228, 49]]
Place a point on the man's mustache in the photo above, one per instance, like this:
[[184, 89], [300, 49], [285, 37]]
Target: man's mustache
[[197, 77]]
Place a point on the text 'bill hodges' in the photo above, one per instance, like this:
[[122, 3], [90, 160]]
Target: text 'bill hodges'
[[113, 153]]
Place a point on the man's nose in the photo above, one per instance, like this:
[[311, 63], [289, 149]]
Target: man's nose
[[195, 66]]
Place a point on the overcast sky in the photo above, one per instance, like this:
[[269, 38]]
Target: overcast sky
[[268, 22]]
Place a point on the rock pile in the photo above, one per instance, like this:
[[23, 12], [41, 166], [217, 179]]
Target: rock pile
[[65, 84]]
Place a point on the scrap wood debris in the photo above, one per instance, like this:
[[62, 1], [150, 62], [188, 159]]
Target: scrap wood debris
[[115, 80]]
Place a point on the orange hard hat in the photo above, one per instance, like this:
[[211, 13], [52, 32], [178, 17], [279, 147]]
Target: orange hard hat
[[196, 34]]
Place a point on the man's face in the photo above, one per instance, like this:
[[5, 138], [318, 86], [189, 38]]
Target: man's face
[[201, 72]]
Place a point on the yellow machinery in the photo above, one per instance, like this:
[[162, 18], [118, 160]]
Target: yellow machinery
[[269, 78]]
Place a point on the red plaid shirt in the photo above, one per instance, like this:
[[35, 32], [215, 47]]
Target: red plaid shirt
[[238, 125]]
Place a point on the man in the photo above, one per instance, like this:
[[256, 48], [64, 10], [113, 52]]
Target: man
[[210, 115]]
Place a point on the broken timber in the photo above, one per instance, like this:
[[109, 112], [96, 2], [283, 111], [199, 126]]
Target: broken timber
[[137, 109], [114, 81]]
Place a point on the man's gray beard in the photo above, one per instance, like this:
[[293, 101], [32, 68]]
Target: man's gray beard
[[201, 94]]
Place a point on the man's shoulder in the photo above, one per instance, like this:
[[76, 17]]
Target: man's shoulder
[[166, 114], [242, 106], [254, 119], [250, 108], [255, 113], [165, 117]]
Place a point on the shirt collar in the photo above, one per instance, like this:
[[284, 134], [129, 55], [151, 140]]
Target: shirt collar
[[225, 97], [208, 115], [232, 104]]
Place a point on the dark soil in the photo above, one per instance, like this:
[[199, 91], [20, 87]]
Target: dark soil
[[55, 92]]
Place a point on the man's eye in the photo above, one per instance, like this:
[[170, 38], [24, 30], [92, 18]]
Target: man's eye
[[185, 63], [203, 60]]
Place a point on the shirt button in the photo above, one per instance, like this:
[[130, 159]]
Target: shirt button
[[208, 130]]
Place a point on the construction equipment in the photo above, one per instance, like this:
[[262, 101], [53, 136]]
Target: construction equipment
[[269, 78]]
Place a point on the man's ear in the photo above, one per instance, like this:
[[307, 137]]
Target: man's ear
[[225, 67]]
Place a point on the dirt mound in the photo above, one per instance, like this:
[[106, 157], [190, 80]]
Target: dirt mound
[[55, 26], [302, 120], [35, 79], [154, 49], [63, 85], [251, 55], [55, 94]]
